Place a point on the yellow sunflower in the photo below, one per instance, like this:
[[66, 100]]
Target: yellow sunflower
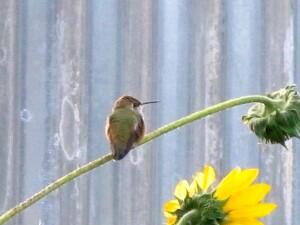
[[236, 200]]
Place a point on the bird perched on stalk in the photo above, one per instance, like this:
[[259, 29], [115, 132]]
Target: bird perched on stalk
[[125, 127]]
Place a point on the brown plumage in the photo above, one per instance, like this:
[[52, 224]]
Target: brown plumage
[[125, 126]]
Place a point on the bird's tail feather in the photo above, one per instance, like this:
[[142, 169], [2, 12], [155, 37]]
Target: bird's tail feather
[[120, 152]]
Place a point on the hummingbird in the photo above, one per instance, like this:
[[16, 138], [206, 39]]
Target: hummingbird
[[125, 127]]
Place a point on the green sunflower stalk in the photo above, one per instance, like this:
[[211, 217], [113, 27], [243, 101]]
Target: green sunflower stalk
[[236, 200]]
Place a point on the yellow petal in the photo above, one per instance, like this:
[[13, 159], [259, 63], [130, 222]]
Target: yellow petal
[[171, 219], [246, 178], [244, 222], [235, 181], [171, 206], [209, 176], [256, 211], [193, 188], [226, 184], [199, 178], [181, 189], [247, 197], [167, 215]]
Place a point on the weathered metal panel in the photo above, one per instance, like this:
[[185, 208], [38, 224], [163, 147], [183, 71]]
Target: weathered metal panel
[[64, 62]]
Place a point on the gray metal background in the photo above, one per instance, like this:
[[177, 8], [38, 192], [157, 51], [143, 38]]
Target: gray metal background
[[64, 62]]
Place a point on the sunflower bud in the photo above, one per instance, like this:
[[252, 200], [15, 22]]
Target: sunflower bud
[[279, 122]]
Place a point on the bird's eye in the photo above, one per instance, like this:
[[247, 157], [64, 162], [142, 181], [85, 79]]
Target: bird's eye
[[136, 104]]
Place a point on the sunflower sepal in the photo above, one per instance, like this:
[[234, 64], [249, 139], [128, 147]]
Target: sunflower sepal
[[208, 210]]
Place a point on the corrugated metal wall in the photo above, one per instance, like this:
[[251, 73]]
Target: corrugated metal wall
[[64, 62]]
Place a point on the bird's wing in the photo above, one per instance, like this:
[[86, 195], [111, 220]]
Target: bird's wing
[[139, 129], [120, 127]]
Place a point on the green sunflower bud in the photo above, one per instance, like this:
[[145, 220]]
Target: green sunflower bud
[[276, 123]]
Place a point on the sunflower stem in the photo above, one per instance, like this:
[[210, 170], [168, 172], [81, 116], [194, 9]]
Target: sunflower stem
[[209, 111], [189, 218], [108, 157]]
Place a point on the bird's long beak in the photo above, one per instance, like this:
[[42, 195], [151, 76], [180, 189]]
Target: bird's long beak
[[145, 103]]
